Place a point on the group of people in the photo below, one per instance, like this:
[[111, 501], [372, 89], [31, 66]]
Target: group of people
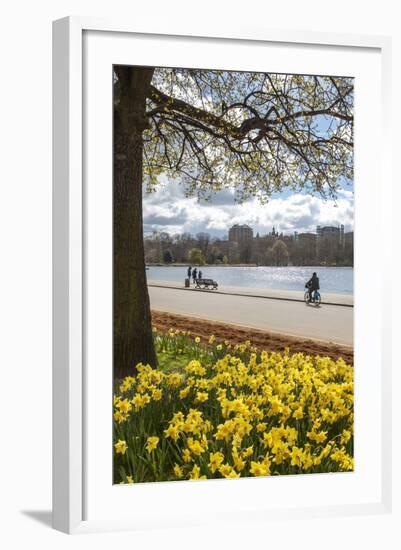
[[311, 285], [194, 273]]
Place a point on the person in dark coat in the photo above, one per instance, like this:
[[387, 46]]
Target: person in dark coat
[[312, 285], [200, 274], [189, 272], [194, 273]]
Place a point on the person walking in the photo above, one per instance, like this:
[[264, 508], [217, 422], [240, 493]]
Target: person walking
[[194, 273], [200, 274], [189, 272]]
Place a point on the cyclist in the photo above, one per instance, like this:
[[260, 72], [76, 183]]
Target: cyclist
[[312, 285]]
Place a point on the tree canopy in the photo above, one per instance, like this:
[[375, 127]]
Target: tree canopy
[[258, 132], [195, 256], [279, 253]]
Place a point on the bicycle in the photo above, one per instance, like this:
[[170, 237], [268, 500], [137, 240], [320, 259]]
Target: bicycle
[[316, 298]]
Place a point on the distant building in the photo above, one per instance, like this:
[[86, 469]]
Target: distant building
[[310, 237], [349, 238], [330, 231], [240, 233]]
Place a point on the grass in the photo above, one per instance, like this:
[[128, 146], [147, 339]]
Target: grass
[[170, 362]]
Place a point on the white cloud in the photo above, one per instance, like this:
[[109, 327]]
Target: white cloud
[[169, 210]]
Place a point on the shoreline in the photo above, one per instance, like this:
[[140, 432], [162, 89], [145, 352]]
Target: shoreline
[[253, 265], [262, 339], [335, 299]]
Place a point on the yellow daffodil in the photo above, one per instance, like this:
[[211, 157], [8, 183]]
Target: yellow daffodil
[[259, 469], [298, 413], [178, 472], [246, 453], [195, 473], [157, 394], [345, 436], [319, 437], [215, 461], [202, 396], [172, 431], [195, 446], [185, 392], [228, 471], [121, 447], [296, 457], [124, 406], [152, 443], [119, 417], [186, 455]]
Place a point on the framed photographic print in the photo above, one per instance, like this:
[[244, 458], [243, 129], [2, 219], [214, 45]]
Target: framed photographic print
[[220, 348]]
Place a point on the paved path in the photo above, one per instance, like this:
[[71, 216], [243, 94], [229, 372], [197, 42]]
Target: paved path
[[329, 323]]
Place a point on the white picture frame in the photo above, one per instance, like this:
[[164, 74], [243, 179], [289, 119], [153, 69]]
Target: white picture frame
[[70, 409]]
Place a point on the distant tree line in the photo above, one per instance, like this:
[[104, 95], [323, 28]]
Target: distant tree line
[[268, 250]]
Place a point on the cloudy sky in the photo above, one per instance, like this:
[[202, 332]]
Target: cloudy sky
[[169, 210]]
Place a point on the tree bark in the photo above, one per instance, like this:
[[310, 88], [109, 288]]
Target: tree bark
[[132, 327]]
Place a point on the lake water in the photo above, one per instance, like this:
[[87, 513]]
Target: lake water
[[332, 279]]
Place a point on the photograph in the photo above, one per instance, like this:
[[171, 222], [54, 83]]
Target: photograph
[[200, 235], [233, 274]]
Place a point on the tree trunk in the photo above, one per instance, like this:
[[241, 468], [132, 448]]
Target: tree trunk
[[132, 327]]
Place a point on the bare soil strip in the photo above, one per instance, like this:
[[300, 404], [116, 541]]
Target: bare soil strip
[[261, 339]]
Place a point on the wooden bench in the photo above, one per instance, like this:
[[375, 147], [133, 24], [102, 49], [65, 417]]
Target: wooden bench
[[206, 284]]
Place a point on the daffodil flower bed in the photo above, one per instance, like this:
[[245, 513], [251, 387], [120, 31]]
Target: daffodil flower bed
[[232, 412]]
